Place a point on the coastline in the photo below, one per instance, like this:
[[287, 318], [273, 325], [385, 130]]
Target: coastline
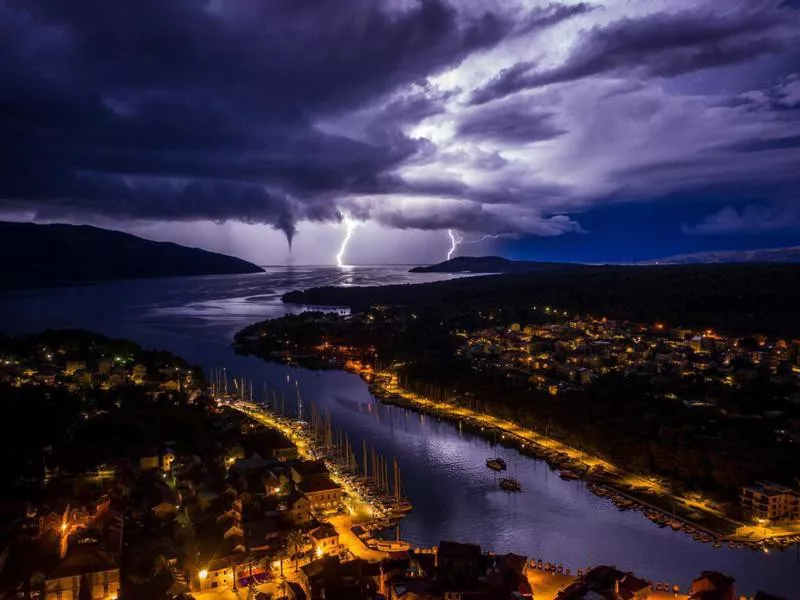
[[626, 490]]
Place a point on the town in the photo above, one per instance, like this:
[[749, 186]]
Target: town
[[252, 503], [706, 425]]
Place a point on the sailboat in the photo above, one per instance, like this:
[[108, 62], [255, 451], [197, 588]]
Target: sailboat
[[401, 504], [496, 464], [510, 484]]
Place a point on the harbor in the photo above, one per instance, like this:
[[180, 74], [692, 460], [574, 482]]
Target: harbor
[[374, 496], [691, 513]]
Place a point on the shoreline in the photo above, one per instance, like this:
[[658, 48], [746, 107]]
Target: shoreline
[[626, 490]]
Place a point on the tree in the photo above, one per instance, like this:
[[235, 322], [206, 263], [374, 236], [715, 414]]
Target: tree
[[295, 542]]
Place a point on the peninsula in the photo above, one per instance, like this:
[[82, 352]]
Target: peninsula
[[53, 255], [493, 264]]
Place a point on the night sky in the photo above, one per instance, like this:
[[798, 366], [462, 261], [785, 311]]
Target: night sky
[[619, 130]]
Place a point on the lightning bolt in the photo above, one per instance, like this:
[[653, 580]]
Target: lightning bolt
[[349, 228], [487, 236], [456, 239]]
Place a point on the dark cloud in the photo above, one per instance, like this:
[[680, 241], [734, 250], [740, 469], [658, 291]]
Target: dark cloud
[[281, 111], [510, 122], [222, 101], [782, 143], [548, 15], [660, 44], [469, 218]]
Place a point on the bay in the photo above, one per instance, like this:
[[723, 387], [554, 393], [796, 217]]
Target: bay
[[455, 496]]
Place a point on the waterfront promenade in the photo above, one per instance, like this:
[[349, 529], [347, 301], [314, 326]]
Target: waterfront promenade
[[696, 512]]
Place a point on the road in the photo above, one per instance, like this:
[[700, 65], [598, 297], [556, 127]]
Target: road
[[546, 586], [526, 435], [342, 523]]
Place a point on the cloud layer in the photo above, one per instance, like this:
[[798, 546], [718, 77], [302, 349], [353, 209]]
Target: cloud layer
[[503, 118]]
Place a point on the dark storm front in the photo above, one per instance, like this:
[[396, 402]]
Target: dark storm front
[[455, 496]]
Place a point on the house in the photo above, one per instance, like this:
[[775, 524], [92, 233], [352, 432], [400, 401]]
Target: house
[[269, 443], [139, 374], [770, 501], [507, 574], [606, 583], [458, 564], [325, 540], [218, 574], [297, 511], [328, 578], [307, 469], [86, 567], [116, 377], [712, 586], [322, 493], [73, 366]]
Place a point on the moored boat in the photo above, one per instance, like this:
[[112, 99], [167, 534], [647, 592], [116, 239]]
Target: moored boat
[[510, 485], [496, 464]]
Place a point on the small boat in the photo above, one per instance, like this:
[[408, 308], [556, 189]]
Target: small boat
[[510, 485], [496, 464]]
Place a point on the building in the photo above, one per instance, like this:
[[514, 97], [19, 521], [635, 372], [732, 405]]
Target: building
[[325, 540], [458, 564], [327, 578], [770, 501], [606, 583], [298, 510], [84, 568], [218, 574], [712, 586], [73, 366], [307, 469], [322, 493]]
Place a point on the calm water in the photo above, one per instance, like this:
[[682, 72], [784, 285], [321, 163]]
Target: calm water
[[454, 495]]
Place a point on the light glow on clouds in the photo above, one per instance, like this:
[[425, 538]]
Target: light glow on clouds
[[512, 120]]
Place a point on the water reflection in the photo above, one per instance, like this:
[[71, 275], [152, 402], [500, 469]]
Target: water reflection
[[454, 494]]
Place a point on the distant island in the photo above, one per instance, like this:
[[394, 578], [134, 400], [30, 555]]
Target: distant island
[[766, 255], [492, 264], [51, 255]]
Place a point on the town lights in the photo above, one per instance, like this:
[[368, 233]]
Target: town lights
[[203, 574], [318, 551]]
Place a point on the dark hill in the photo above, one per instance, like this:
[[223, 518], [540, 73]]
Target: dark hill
[[48, 255], [741, 298], [491, 264]]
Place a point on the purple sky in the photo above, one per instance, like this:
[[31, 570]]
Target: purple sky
[[614, 130]]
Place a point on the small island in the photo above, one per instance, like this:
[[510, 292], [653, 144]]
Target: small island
[[493, 264]]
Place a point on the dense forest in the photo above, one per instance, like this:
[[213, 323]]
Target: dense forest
[[735, 299]]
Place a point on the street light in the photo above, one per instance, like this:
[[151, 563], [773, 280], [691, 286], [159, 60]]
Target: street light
[[203, 574]]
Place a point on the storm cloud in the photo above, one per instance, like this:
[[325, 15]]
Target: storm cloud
[[504, 118]]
